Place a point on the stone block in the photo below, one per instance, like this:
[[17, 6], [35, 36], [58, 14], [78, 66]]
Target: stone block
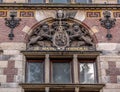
[[103, 72], [118, 79], [111, 90], [80, 15], [10, 89], [95, 29], [11, 52], [18, 64], [2, 78], [112, 86], [26, 29], [107, 46], [19, 79], [13, 46], [105, 79], [118, 64], [3, 64], [18, 57], [1, 71], [104, 65], [9, 85]]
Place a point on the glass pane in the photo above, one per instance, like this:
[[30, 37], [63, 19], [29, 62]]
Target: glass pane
[[61, 73], [59, 1], [36, 1], [0, 1], [87, 73], [35, 72], [119, 1], [82, 1]]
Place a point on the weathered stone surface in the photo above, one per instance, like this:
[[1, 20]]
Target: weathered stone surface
[[20, 57], [107, 46], [26, 29], [9, 85], [118, 79], [105, 79], [18, 64], [11, 52], [118, 64], [42, 14], [1, 71], [5, 57], [95, 29], [3, 64], [10, 89], [3, 78], [12, 46], [81, 15], [104, 65]]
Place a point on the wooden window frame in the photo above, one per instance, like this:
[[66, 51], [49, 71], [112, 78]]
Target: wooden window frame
[[34, 61], [95, 68], [61, 61]]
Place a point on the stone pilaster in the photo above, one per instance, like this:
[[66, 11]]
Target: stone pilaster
[[47, 67], [75, 68]]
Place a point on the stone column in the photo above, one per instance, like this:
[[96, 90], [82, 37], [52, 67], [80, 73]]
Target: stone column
[[72, 1], [47, 89], [47, 68], [75, 68], [47, 1], [76, 89]]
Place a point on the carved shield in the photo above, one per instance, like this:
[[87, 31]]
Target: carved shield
[[61, 40]]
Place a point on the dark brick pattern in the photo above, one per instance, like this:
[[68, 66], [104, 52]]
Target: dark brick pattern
[[3, 13], [112, 71], [93, 14], [10, 71], [116, 14], [26, 13]]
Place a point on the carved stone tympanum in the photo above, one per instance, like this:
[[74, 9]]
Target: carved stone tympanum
[[60, 33]]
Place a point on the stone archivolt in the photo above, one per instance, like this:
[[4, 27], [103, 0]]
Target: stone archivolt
[[60, 33]]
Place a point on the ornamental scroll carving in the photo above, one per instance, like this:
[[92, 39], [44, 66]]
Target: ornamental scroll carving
[[61, 33]]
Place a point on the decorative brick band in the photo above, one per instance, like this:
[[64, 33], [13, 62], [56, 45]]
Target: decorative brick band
[[93, 14], [3, 13], [26, 14], [116, 14]]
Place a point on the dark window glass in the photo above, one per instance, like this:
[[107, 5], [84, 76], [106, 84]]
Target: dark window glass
[[1, 1], [35, 1], [61, 73], [84, 1], [35, 72], [87, 73], [118, 1], [59, 1]]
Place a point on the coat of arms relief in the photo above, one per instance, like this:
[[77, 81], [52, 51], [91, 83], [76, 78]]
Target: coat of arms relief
[[60, 33]]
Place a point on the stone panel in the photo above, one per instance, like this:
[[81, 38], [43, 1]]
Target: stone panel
[[18, 64], [12, 46], [10, 89], [3, 64], [3, 78]]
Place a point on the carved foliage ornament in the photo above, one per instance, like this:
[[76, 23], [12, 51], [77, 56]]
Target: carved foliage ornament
[[60, 34]]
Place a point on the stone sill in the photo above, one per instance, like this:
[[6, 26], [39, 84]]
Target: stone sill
[[62, 87], [35, 6]]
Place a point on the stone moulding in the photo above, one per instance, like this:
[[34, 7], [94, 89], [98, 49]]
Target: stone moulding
[[65, 87], [61, 54], [60, 6]]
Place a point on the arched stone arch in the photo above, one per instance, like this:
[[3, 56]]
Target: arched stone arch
[[68, 35]]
